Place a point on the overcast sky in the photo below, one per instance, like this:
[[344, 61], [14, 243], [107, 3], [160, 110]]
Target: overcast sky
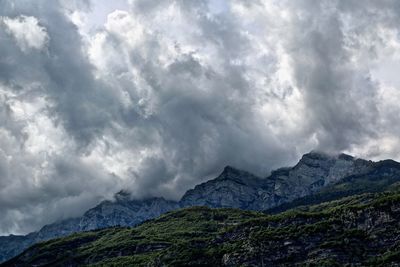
[[156, 96]]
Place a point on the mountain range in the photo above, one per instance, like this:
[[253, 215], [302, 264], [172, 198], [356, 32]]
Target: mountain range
[[316, 178], [361, 230]]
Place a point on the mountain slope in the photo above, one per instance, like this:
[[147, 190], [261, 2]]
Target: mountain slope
[[361, 230], [123, 211], [232, 188], [313, 172], [380, 176], [240, 189]]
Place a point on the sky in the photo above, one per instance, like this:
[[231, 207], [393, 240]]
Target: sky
[[154, 97]]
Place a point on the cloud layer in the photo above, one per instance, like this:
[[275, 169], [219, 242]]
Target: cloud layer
[[156, 96]]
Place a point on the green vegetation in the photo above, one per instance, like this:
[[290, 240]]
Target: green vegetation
[[374, 182], [363, 229]]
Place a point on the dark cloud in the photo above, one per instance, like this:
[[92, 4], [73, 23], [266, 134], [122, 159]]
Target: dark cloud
[[330, 82], [164, 94]]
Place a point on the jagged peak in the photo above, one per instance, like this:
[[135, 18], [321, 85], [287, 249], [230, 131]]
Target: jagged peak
[[126, 196], [229, 169], [123, 195], [312, 157], [314, 154], [344, 156], [316, 158], [230, 172], [388, 163]]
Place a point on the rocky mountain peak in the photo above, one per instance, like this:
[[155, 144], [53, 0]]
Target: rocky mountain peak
[[324, 161], [230, 169], [232, 188], [231, 173], [344, 156], [322, 156], [123, 196], [314, 157], [314, 154], [314, 171]]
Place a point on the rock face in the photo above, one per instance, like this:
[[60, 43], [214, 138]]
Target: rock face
[[124, 212], [240, 189], [314, 171], [232, 188], [347, 235]]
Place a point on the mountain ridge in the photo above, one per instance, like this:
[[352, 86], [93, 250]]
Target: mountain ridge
[[361, 230], [232, 188]]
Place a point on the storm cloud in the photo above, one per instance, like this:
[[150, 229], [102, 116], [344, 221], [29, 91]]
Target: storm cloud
[[154, 97]]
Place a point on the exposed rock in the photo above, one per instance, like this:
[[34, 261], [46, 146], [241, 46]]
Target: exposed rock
[[240, 189], [233, 188], [124, 212], [314, 171]]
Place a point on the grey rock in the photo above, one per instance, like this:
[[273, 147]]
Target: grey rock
[[233, 188], [240, 189], [314, 171], [124, 212]]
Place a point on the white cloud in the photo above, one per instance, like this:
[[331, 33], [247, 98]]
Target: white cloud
[[27, 31]]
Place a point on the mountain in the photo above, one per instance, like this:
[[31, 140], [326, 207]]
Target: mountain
[[313, 172], [379, 176], [123, 211], [239, 189], [363, 230], [232, 188]]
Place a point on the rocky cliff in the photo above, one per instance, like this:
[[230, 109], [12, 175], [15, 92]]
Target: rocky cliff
[[232, 188], [240, 189]]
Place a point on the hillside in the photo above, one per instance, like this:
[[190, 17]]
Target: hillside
[[381, 176], [362, 229], [316, 178]]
